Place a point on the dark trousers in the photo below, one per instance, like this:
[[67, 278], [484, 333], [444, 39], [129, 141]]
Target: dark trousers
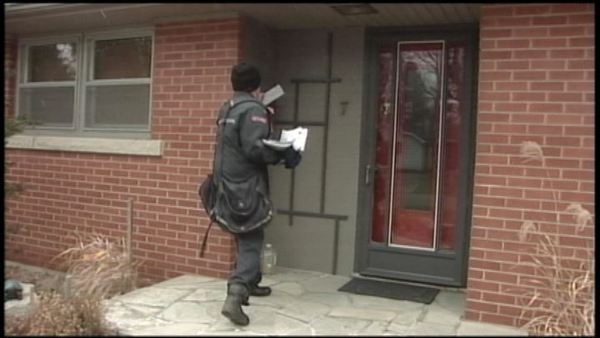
[[247, 263]]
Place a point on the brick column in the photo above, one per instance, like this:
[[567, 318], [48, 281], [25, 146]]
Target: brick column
[[536, 83], [192, 63]]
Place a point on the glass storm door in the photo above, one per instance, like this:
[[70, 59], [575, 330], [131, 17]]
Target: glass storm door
[[418, 227]]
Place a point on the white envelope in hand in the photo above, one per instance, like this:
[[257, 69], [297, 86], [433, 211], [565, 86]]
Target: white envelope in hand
[[297, 136]]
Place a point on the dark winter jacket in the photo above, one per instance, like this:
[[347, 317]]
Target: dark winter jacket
[[240, 154]]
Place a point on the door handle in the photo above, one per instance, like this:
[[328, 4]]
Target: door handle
[[386, 108], [368, 173]]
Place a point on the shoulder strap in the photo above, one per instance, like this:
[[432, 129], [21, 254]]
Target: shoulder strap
[[259, 104], [203, 246], [232, 105]]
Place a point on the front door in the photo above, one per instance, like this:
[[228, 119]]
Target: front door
[[417, 179]]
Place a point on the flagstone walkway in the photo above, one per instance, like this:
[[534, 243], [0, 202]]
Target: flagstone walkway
[[302, 303]]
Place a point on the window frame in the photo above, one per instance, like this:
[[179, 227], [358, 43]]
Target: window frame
[[85, 42], [23, 74]]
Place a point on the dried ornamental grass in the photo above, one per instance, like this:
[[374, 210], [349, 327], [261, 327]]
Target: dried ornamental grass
[[98, 269], [532, 152], [55, 315], [562, 300], [96, 266]]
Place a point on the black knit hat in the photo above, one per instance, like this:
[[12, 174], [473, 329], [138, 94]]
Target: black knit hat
[[245, 77]]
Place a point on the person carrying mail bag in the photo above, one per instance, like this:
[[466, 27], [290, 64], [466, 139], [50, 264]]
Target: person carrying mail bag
[[236, 195]]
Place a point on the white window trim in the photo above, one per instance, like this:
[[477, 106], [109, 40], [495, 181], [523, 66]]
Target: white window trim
[[87, 145], [83, 42]]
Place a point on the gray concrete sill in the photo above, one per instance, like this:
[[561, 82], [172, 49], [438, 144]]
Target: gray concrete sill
[[87, 145]]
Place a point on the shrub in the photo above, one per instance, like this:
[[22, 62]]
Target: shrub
[[53, 314], [97, 269], [14, 126]]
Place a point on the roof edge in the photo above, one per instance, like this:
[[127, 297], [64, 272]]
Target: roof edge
[[14, 8]]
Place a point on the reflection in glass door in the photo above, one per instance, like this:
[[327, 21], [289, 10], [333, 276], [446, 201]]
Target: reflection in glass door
[[418, 144]]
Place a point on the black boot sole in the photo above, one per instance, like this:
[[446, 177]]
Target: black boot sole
[[233, 320]]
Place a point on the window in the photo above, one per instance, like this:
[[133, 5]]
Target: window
[[89, 83], [48, 83]]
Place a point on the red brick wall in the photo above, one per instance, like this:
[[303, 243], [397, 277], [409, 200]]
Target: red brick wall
[[536, 83], [68, 191]]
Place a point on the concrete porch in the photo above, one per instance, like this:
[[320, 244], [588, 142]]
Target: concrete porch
[[302, 303]]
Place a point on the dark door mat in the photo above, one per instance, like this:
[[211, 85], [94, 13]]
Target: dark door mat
[[390, 290]]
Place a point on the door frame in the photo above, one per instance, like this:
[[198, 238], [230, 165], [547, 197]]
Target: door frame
[[363, 245]]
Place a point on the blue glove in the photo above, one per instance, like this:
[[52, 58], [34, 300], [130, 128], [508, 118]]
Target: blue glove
[[291, 158]]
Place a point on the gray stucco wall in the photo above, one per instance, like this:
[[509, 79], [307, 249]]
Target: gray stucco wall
[[258, 49], [308, 243]]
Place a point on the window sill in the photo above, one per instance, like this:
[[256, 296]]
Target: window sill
[[87, 145]]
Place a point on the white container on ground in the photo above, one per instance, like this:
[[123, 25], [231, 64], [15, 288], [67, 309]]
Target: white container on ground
[[268, 259]]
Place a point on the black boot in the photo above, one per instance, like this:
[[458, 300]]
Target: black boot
[[237, 294], [260, 291]]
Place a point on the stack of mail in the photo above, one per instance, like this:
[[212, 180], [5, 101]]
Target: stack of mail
[[295, 138]]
